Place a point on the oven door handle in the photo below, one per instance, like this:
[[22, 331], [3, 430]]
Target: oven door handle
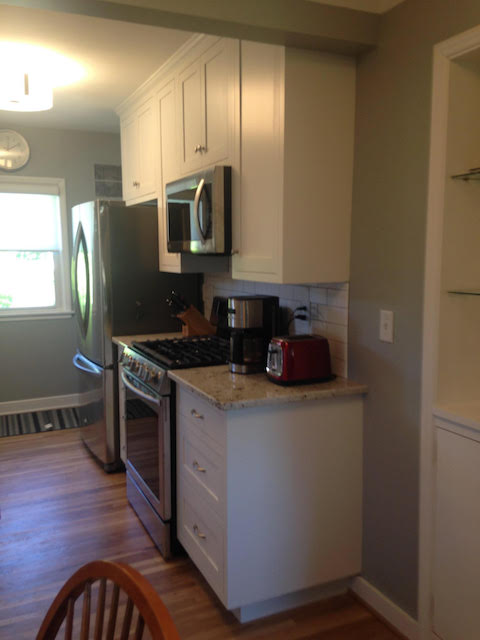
[[137, 391]]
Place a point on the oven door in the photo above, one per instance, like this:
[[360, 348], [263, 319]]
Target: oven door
[[147, 435]]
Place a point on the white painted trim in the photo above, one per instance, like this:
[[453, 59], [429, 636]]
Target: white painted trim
[[392, 613], [460, 44], [55, 187], [146, 89], [41, 404], [269, 607], [443, 54]]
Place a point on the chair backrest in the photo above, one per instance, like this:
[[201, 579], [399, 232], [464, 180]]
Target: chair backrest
[[118, 602]]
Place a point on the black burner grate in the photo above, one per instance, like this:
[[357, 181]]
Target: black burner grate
[[185, 353]]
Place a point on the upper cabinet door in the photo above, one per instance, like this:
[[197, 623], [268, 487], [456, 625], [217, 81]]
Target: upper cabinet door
[[168, 170], [217, 84], [138, 135], [192, 117], [129, 135], [147, 136], [206, 97]]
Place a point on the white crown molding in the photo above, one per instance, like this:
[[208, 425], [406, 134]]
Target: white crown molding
[[151, 83]]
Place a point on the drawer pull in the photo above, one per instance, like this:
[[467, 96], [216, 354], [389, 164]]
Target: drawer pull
[[197, 532], [196, 415], [198, 468]]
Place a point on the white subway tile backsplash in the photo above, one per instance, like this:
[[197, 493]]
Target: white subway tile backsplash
[[335, 332], [338, 349], [336, 285], [319, 328], [267, 289], [302, 294], [336, 315], [318, 295], [337, 297], [339, 367], [327, 307]]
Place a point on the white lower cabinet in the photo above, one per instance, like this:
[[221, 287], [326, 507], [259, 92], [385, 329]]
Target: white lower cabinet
[[456, 560], [269, 499]]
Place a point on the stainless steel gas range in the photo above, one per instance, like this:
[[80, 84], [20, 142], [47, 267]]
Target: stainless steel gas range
[[149, 412]]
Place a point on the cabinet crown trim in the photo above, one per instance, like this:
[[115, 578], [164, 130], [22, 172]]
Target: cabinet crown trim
[[169, 66]]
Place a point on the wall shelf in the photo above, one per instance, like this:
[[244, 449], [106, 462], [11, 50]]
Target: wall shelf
[[471, 174]]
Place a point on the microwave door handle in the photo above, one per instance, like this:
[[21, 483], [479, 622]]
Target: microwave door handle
[[137, 391], [196, 209]]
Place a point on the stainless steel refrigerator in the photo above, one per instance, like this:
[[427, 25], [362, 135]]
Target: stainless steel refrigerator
[[117, 290]]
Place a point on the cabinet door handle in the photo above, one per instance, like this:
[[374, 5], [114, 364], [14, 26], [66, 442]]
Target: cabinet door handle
[[196, 531], [196, 415], [136, 184], [198, 468], [198, 148]]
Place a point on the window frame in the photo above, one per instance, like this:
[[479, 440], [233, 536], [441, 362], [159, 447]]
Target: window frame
[[52, 186]]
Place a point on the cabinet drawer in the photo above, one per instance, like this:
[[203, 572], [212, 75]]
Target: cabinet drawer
[[202, 416], [201, 533], [200, 461]]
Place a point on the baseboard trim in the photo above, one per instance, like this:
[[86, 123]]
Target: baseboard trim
[[250, 612], [387, 610], [40, 404]]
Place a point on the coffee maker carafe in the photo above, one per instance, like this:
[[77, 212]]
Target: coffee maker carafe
[[252, 320]]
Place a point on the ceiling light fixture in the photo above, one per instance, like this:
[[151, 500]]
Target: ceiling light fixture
[[24, 92], [27, 82]]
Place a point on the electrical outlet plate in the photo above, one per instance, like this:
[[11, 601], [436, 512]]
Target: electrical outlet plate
[[314, 311], [386, 325]]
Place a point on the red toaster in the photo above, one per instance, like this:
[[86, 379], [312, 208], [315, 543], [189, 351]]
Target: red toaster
[[297, 359]]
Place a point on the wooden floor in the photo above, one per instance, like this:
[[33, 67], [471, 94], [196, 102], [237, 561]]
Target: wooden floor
[[59, 510]]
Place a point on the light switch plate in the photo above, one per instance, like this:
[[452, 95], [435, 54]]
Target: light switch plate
[[386, 325]]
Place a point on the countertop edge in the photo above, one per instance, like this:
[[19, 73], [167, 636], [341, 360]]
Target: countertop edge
[[309, 395]]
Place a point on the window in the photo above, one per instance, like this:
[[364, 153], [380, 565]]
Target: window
[[33, 246]]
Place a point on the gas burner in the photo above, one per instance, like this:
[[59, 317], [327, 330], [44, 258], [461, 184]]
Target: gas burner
[[185, 353]]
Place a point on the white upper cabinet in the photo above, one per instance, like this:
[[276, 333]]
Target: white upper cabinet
[[138, 153], [207, 90], [166, 105], [292, 217], [283, 119]]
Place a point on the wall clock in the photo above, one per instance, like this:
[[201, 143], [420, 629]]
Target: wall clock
[[14, 150]]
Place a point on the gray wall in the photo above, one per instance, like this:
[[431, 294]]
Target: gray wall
[[387, 267], [35, 355]]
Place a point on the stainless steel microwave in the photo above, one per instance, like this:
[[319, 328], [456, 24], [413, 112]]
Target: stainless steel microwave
[[199, 213]]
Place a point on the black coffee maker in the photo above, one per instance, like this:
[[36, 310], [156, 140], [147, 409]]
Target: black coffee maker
[[252, 321]]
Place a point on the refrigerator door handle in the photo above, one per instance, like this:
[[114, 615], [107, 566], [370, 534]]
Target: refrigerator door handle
[[82, 314], [80, 362]]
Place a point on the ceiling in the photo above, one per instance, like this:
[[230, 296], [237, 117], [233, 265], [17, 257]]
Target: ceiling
[[117, 57]]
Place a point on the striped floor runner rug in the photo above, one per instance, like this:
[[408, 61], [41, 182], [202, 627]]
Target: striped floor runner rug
[[21, 423]]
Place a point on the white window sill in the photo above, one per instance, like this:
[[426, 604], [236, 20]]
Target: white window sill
[[43, 315]]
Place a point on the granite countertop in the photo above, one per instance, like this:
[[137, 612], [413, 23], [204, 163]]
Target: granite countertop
[[227, 391], [126, 341]]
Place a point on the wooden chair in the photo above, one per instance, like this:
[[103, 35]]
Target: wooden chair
[[115, 589]]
